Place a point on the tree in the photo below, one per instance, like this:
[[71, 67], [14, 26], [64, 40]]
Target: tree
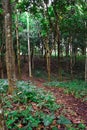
[[86, 57], [29, 53], [1, 46], [18, 45], [10, 60], [86, 69]]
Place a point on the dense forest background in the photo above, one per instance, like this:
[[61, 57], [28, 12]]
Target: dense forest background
[[50, 30]]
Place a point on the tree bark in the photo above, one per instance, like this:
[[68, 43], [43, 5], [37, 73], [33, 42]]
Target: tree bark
[[48, 67], [71, 57], [86, 69], [1, 46], [67, 48], [58, 43], [48, 54], [1, 69], [29, 53], [85, 53], [32, 57], [10, 60], [18, 47], [2, 121]]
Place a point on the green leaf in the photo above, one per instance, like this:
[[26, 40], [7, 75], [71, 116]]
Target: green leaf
[[81, 126], [54, 128], [63, 120], [1, 11], [48, 119], [9, 122]]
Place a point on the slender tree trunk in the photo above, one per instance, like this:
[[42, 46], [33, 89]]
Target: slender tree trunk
[[2, 51], [48, 59], [59, 65], [2, 126], [48, 66], [1, 47], [2, 120], [86, 64], [29, 53], [67, 55], [86, 69], [10, 60], [85, 53], [32, 58], [55, 50], [74, 56], [67, 48], [1, 69], [18, 48], [71, 57]]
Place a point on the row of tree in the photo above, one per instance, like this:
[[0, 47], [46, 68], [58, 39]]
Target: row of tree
[[52, 25]]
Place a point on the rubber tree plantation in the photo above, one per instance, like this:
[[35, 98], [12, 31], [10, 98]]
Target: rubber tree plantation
[[43, 64]]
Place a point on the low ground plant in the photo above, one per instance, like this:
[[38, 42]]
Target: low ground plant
[[78, 88], [31, 108]]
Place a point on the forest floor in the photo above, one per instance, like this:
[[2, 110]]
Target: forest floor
[[42, 105], [72, 108]]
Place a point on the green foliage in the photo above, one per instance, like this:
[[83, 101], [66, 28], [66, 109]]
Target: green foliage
[[1, 11], [82, 126], [3, 85], [70, 16], [77, 88], [28, 107], [77, 127], [63, 120], [54, 128], [34, 94], [48, 119], [20, 112]]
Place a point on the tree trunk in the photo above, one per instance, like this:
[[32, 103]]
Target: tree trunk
[[18, 48], [67, 49], [10, 60], [1, 47], [71, 57], [29, 53], [85, 54], [48, 54], [2, 120], [1, 69], [74, 55], [48, 66], [86, 65], [59, 65], [86, 69], [32, 57]]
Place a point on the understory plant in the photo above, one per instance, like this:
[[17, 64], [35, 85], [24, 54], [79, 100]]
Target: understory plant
[[78, 88], [31, 108]]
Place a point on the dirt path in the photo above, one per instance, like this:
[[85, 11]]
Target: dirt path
[[72, 108]]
